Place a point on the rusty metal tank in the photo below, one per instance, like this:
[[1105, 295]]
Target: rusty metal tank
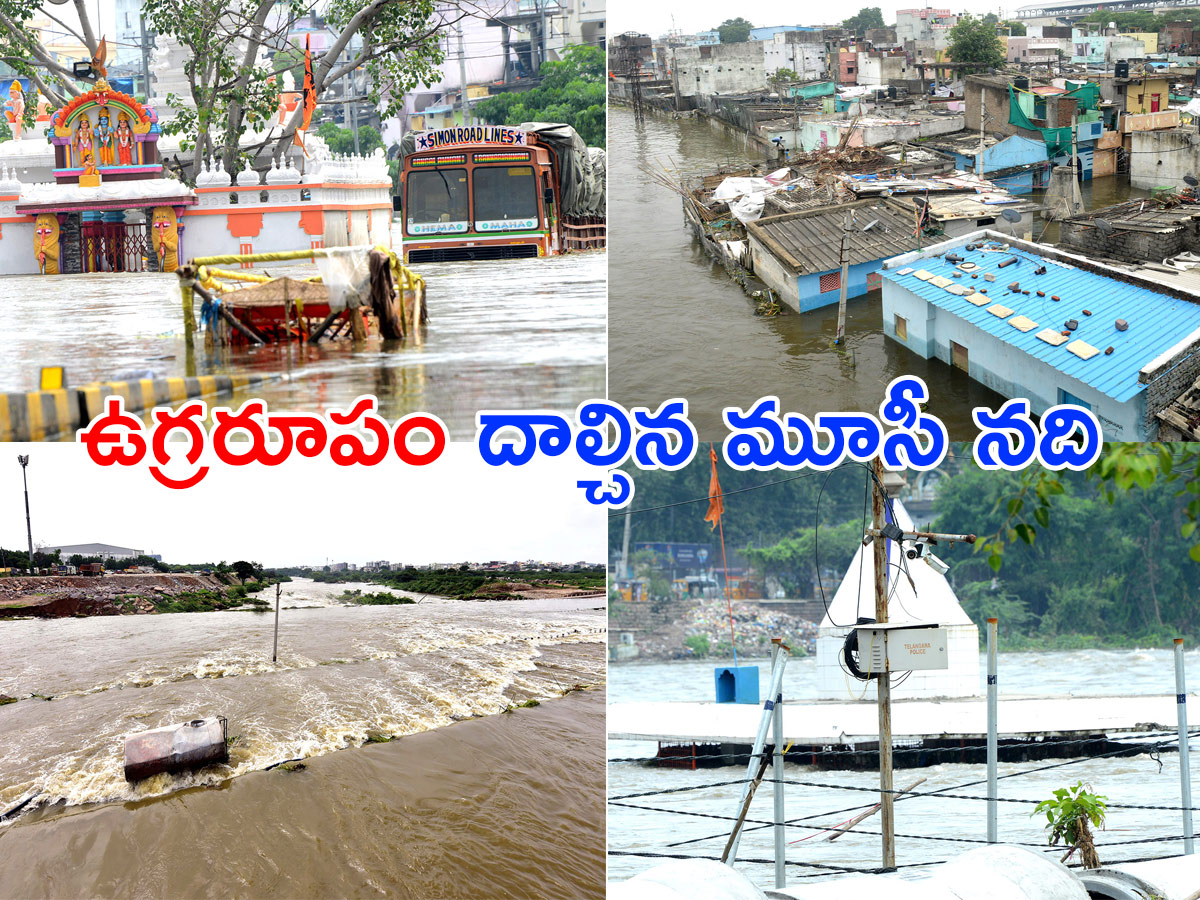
[[176, 748]]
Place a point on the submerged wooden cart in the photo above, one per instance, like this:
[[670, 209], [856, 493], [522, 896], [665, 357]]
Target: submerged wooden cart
[[243, 306]]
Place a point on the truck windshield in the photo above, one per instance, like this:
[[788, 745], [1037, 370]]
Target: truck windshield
[[437, 202], [505, 198]]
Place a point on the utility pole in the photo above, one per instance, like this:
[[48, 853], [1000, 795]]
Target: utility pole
[[883, 685], [844, 262], [145, 59], [982, 116], [462, 78], [24, 461], [275, 648], [625, 549]]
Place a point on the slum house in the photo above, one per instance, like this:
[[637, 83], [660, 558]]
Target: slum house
[[1136, 231], [953, 214], [799, 255], [1017, 164], [1030, 321], [874, 130]]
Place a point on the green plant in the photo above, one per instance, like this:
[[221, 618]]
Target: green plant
[[1070, 813], [697, 643]]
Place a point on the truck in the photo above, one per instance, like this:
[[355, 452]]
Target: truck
[[487, 192], [92, 569]]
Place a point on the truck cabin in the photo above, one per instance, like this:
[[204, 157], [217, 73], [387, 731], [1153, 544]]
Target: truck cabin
[[480, 192]]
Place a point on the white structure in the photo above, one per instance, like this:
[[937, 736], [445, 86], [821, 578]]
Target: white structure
[[337, 203], [795, 50], [928, 598]]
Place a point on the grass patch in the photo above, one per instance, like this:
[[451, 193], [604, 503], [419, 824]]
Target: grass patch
[[293, 767], [378, 737], [5, 700]]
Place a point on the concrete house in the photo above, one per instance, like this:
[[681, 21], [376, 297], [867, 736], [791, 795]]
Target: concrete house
[[1049, 326], [718, 69]]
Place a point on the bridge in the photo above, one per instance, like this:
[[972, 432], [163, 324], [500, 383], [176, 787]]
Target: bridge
[[1075, 9]]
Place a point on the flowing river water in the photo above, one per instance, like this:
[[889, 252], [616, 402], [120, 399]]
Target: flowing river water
[[466, 799], [681, 327], [928, 829], [516, 334]]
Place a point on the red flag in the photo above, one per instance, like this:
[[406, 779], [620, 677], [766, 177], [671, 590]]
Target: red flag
[[716, 504], [310, 97]]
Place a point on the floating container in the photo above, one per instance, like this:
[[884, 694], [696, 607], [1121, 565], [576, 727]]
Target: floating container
[[736, 684], [176, 748]]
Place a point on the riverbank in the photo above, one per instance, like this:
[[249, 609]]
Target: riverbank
[[509, 806], [60, 596]]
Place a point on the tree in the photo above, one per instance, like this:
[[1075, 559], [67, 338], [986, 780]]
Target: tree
[[868, 17], [247, 571], [1015, 29], [571, 91], [341, 140], [734, 31], [397, 44], [783, 77], [974, 42]]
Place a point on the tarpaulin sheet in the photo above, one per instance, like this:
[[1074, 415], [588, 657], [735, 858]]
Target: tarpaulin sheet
[[1058, 140]]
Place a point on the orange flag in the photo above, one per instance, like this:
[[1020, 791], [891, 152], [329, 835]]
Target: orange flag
[[716, 504], [310, 97]]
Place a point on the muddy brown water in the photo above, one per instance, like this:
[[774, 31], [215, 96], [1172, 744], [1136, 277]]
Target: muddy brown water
[[515, 334], [680, 327], [468, 800]]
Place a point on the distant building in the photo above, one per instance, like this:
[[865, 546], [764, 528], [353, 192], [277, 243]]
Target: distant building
[[718, 69], [105, 551]]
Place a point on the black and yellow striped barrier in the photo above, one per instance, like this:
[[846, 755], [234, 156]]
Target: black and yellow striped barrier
[[39, 415]]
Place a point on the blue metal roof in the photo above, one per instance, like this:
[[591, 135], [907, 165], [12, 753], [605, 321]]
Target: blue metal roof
[[1157, 321]]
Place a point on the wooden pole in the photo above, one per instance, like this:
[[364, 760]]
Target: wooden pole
[[844, 263], [870, 812], [883, 681]]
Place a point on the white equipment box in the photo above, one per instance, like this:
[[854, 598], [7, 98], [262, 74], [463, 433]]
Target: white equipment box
[[901, 647]]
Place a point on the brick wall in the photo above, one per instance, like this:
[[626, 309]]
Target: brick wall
[[1130, 246], [1170, 380]]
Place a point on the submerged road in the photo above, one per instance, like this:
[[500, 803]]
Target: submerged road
[[515, 334]]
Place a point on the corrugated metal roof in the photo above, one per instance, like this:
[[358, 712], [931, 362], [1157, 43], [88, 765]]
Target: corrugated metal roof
[[811, 241], [1157, 321]]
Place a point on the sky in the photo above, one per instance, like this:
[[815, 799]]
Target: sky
[[655, 18], [308, 512]]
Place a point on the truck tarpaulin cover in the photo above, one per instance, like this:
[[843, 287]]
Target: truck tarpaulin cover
[[581, 185]]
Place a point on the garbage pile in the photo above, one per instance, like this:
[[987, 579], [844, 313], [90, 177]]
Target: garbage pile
[[753, 627]]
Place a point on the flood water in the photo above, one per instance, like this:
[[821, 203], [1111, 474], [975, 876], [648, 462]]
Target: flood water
[[928, 829], [512, 334], [467, 796], [680, 327]]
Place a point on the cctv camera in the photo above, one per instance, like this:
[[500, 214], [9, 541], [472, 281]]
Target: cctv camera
[[936, 564]]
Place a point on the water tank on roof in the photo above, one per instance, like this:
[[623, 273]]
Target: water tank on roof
[[1122, 68], [1021, 82], [891, 92]]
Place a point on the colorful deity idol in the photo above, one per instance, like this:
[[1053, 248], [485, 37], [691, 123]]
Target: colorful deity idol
[[164, 226], [124, 140], [45, 243], [83, 138], [104, 138], [15, 114]]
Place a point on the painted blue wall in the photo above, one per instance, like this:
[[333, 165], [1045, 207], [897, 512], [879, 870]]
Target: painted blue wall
[[809, 286]]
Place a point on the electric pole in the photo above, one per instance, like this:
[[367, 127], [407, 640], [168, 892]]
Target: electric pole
[[883, 684], [844, 270], [462, 78], [145, 59], [24, 461]]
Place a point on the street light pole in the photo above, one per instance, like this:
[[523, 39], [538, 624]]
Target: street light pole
[[24, 461]]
